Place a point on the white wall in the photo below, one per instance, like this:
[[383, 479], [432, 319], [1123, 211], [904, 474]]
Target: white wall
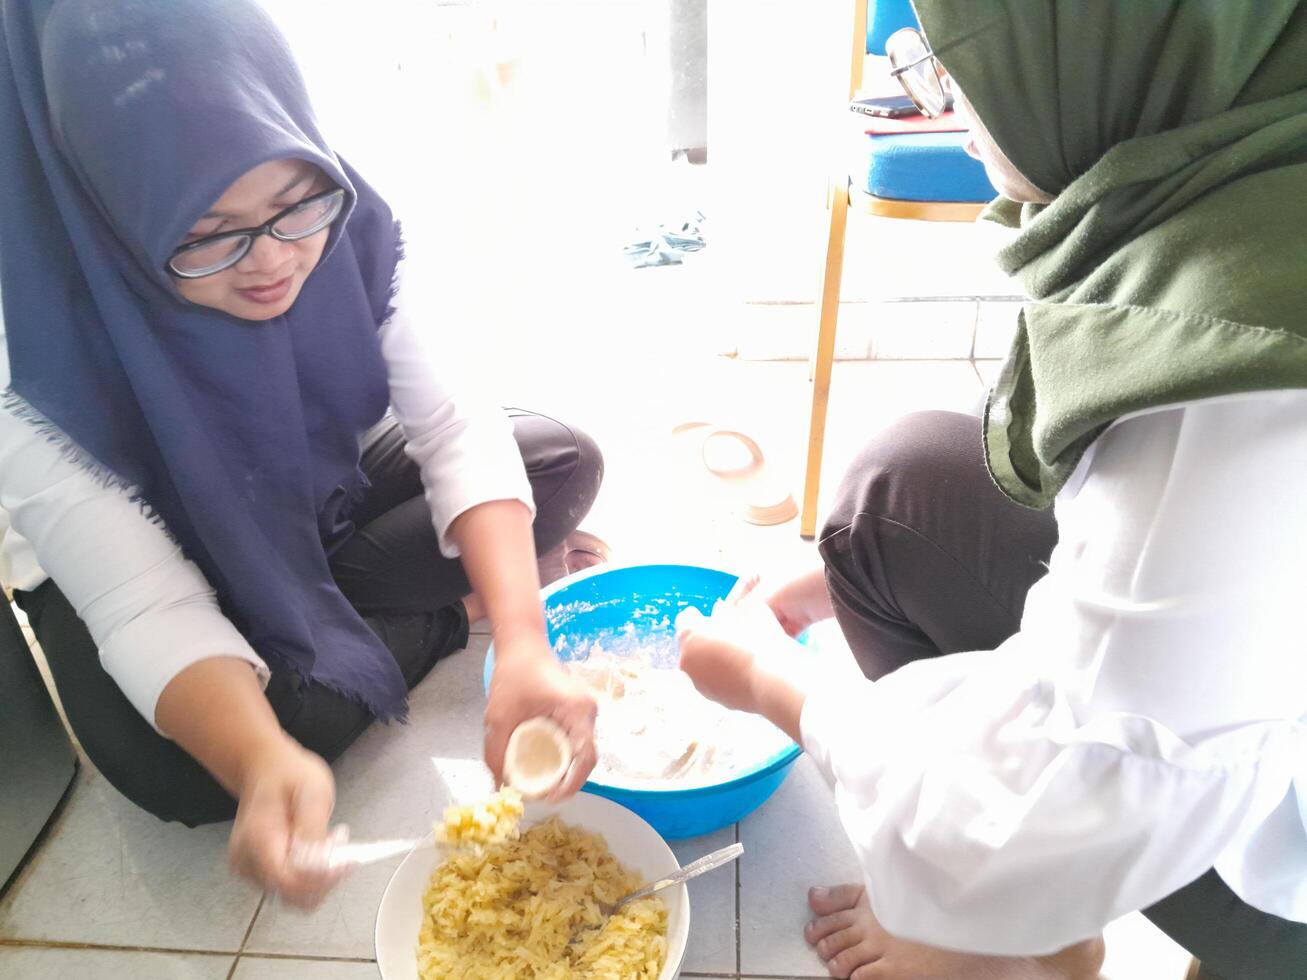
[[777, 88], [410, 91], [508, 135], [523, 141]]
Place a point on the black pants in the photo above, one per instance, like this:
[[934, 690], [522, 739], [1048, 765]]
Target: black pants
[[391, 570], [924, 556]]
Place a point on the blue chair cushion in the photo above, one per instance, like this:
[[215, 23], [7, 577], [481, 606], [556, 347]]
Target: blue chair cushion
[[884, 17], [920, 167]]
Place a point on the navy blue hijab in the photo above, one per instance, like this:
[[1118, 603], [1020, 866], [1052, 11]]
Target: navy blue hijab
[[121, 123]]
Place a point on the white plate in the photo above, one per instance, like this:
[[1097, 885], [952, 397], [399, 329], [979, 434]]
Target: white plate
[[633, 842]]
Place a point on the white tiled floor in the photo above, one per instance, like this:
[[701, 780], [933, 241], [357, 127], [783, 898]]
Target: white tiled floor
[[793, 842], [255, 968], [109, 876], [33, 963]]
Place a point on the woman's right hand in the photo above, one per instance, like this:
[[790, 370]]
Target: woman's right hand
[[215, 710], [286, 793]]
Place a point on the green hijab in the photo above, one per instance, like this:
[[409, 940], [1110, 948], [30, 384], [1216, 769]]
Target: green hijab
[[1172, 263]]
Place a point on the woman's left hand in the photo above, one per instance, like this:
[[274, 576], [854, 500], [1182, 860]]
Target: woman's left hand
[[529, 682]]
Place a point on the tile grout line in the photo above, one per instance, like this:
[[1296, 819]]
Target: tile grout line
[[975, 331], [893, 300], [870, 359], [246, 938], [738, 927], [106, 947], [306, 957], [295, 957]]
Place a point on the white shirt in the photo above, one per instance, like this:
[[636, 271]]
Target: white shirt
[[1147, 722], [150, 611]]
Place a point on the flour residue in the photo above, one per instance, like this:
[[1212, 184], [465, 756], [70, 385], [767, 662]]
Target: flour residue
[[654, 728]]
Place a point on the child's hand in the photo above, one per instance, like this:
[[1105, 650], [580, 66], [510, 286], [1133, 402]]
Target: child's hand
[[802, 601], [722, 653], [712, 655], [742, 658]]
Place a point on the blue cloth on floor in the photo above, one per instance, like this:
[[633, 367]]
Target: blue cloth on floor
[[668, 244]]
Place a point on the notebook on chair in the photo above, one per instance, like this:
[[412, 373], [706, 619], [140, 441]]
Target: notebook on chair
[[949, 122]]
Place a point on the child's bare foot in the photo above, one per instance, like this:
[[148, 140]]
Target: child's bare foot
[[853, 945], [802, 601]]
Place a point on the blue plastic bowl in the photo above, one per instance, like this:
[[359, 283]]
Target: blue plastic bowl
[[609, 598]]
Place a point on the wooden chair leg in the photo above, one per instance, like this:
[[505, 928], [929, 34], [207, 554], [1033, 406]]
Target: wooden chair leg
[[832, 275]]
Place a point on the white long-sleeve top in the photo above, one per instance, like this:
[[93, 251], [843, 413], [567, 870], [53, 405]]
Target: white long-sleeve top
[[1147, 722], [150, 611]]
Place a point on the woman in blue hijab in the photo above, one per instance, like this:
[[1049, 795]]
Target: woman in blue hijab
[[246, 517]]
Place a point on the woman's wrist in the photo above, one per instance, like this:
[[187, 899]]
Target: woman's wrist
[[259, 754], [215, 710], [499, 557], [519, 638]]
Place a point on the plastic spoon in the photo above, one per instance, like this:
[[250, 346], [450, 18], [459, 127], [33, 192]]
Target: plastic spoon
[[338, 851]]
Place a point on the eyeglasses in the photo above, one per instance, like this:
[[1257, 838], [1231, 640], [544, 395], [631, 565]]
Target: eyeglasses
[[217, 252], [914, 65]]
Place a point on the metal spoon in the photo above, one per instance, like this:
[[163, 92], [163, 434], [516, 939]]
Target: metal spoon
[[692, 870]]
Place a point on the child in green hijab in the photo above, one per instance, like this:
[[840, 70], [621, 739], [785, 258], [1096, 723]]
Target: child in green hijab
[[1080, 620]]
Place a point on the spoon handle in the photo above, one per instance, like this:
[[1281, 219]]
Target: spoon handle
[[336, 853], [692, 870]]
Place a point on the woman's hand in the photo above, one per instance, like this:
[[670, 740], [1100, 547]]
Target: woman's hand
[[216, 711], [529, 682], [286, 793]]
